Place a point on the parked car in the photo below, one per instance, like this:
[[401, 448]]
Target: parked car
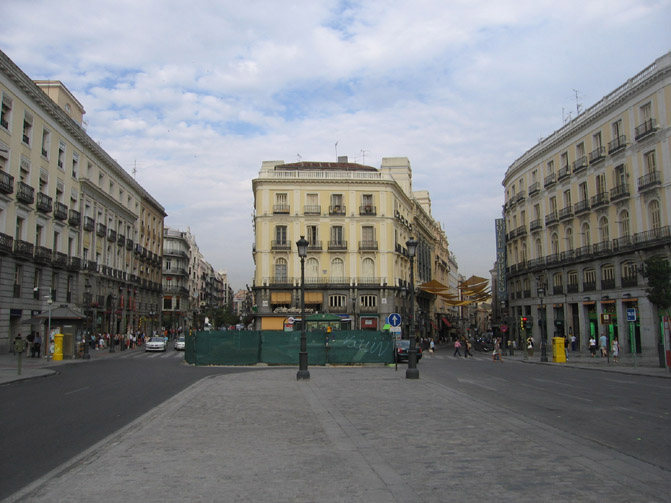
[[155, 344], [401, 348], [180, 343]]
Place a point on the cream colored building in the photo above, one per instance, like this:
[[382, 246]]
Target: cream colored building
[[584, 208], [357, 220]]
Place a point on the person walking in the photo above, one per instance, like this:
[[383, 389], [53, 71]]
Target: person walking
[[497, 354], [574, 340], [566, 347], [530, 345], [36, 347], [615, 349], [457, 348], [592, 345], [432, 346], [467, 348], [603, 345]]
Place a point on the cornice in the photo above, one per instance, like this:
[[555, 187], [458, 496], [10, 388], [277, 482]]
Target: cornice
[[89, 189]]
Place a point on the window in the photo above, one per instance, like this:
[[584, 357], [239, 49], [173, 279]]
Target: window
[[572, 277], [36, 283], [604, 233], [551, 167], [596, 141], [620, 176], [61, 154], [567, 198], [539, 248], [367, 200], [645, 112], [18, 277], [582, 190], [586, 238], [368, 268], [655, 216], [564, 160], [650, 162], [281, 234], [336, 201], [75, 165], [20, 226], [569, 238], [629, 271], [312, 234], [553, 205], [338, 301], [579, 150], [624, 223], [601, 184], [39, 233], [46, 141], [4, 157], [6, 113], [555, 243], [281, 199], [557, 279], [24, 170], [337, 234], [537, 211], [368, 234], [589, 276], [337, 268], [617, 129], [281, 269], [608, 273], [368, 301], [312, 268], [27, 128]]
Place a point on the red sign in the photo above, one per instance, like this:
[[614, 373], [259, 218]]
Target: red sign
[[503, 328]]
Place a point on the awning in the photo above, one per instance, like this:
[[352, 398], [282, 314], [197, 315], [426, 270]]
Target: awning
[[280, 297], [630, 300], [274, 323], [446, 321], [314, 297], [612, 301]]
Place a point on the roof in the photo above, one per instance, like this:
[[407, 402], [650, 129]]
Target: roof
[[58, 313], [314, 165]]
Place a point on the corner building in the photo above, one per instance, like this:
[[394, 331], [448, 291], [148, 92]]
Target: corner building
[[356, 220], [584, 208]]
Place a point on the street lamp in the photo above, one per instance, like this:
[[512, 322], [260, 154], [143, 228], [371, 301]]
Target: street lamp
[[541, 293], [87, 301], [111, 350], [412, 372], [303, 372], [47, 343]]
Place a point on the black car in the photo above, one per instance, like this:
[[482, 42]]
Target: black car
[[401, 350]]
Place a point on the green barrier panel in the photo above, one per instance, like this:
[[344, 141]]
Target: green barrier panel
[[282, 348]]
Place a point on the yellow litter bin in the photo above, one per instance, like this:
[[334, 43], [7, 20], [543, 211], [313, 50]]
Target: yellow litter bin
[[58, 347], [558, 353]]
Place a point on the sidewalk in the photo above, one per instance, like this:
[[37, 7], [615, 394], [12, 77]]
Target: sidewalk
[[361, 434]]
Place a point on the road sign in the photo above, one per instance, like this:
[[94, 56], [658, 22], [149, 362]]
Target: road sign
[[394, 319], [631, 314]]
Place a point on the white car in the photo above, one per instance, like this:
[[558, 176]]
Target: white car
[[155, 344], [180, 343]]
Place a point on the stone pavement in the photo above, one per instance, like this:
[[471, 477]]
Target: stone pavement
[[353, 434]]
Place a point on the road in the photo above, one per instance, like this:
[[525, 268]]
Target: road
[[44, 422], [628, 413]]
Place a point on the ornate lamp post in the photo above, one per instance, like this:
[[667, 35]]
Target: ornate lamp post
[[541, 293], [303, 372], [87, 336], [412, 372]]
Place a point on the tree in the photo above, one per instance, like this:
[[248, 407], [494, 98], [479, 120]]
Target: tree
[[658, 272]]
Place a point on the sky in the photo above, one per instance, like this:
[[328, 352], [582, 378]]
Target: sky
[[192, 97]]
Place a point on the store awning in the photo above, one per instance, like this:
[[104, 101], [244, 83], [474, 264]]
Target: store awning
[[314, 297], [280, 297], [446, 321]]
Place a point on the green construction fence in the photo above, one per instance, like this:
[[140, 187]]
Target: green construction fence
[[282, 348]]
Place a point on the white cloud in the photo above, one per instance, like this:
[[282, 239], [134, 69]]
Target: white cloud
[[195, 95]]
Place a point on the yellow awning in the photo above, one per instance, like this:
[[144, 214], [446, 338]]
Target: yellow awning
[[272, 323], [280, 297], [314, 297]]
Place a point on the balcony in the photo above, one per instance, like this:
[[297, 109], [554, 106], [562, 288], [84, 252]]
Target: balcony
[[129, 244], [42, 255], [649, 181], [338, 245], [563, 173], [607, 284], [59, 260], [281, 209], [619, 192], [44, 203], [120, 240], [567, 256], [623, 243], [101, 230], [74, 264], [89, 224], [583, 251], [23, 249], [534, 189], [572, 288], [550, 180], [629, 281], [521, 231], [367, 210], [337, 210], [25, 193], [581, 207], [90, 266], [579, 164], [314, 209], [367, 245], [552, 218], [617, 144], [558, 289], [597, 155], [111, 235], [565, 213], [314, 245], [535, 225], [60, 211], [601, 199], [645, 129], [280, 245], [589, 287], [6, 243], [601, 248], [6, 183], [654, 236], [520, 196]]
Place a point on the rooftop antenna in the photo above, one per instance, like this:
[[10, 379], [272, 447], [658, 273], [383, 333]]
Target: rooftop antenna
[[299, 157], [565, 117], [363, 156], [578, 105]]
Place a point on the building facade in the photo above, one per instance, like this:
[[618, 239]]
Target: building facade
[[584, 208], [71, 218], [356, 220]]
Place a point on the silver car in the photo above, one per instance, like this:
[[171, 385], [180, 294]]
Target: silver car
[[180, 343], [155, 344]]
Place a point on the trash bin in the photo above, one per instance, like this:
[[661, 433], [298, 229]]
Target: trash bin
[[558, 354]]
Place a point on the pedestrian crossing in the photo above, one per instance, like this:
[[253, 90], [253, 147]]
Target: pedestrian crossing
[[141, 353]]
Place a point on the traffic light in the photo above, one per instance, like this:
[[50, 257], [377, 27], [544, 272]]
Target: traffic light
[[523, 322], [529, 323]]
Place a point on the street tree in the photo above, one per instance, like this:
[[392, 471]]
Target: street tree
[[657, 270]]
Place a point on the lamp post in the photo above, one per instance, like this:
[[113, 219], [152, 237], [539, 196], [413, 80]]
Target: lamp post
[[412, 372], [87, 302], [111, 350], [303, 372], [47, 342], [541, 293]]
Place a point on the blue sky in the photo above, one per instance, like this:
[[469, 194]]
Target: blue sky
[[196, 95]]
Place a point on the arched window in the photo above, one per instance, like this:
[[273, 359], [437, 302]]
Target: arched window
[[368, 268], [604, 233], [585, 234], [607, 276], [312, 268], [337, 268], [524, 252], [281, 270], [555, 243], [569, 238], [624, 223], [539, 248], [655, 217]]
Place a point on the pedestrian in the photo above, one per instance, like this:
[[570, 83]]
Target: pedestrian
[[603, 345], [457, 348], [467, 349], [30, 340], [36, 347], [530, 345], [497, 354], [432, 346], [566, 347], [592, 345], [615, 349], [574, 340]]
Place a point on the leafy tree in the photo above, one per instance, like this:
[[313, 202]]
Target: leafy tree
[[658, 272]]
